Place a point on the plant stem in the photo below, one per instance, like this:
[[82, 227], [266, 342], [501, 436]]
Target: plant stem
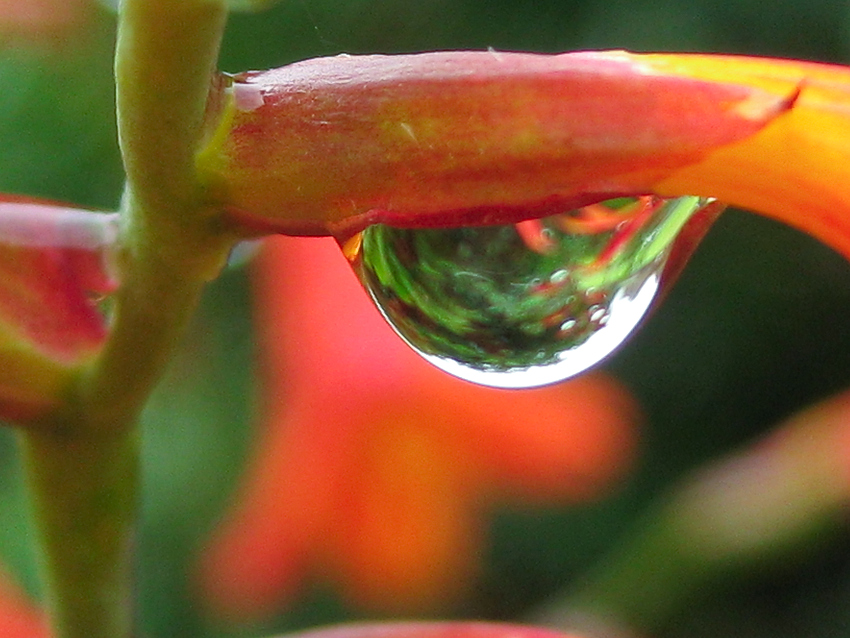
[[170, 243], [750, 511], [82, 463], [84, 499]]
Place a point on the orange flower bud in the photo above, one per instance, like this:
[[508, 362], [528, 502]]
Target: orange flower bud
[[52, 270], [443, 139]]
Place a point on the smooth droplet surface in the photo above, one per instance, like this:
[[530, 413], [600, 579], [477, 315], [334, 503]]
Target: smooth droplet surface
[[526, 304]]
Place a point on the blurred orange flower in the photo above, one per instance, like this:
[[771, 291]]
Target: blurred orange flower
[[374, 469], [431, 630], [19, 618], [42, 19]]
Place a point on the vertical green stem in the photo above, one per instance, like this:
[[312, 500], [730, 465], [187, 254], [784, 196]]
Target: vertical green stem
[[84, 499], [82, 463], [170, 244]]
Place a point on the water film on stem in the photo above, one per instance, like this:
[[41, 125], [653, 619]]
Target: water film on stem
[[527, 304]]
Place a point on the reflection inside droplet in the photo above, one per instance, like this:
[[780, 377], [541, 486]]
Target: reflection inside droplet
[[526, 304]]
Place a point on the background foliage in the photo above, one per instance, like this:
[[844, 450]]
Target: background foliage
[[753, 331]]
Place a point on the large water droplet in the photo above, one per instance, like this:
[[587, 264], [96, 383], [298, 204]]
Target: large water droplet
[[525, 304]]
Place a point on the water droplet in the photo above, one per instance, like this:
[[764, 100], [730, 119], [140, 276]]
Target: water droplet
[[527, 304]]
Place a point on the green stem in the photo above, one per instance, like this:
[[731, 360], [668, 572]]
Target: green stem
[[82, 463], [640, 585], [749, 511], [170, 242], [84, 499]]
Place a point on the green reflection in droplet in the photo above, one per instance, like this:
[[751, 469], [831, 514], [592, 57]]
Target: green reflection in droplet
[[523, 304]]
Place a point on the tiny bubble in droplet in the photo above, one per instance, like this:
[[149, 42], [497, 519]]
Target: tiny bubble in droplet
[[597, 313], [568, 325], [559, 276]]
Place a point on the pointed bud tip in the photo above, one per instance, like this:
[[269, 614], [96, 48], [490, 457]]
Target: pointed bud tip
[[761, 106]]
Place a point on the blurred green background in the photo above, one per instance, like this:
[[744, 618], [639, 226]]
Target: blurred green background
[[755, 329]]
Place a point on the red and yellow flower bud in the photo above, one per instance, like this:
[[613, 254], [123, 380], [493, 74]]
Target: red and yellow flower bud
[[51, 271], [443, 139]]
